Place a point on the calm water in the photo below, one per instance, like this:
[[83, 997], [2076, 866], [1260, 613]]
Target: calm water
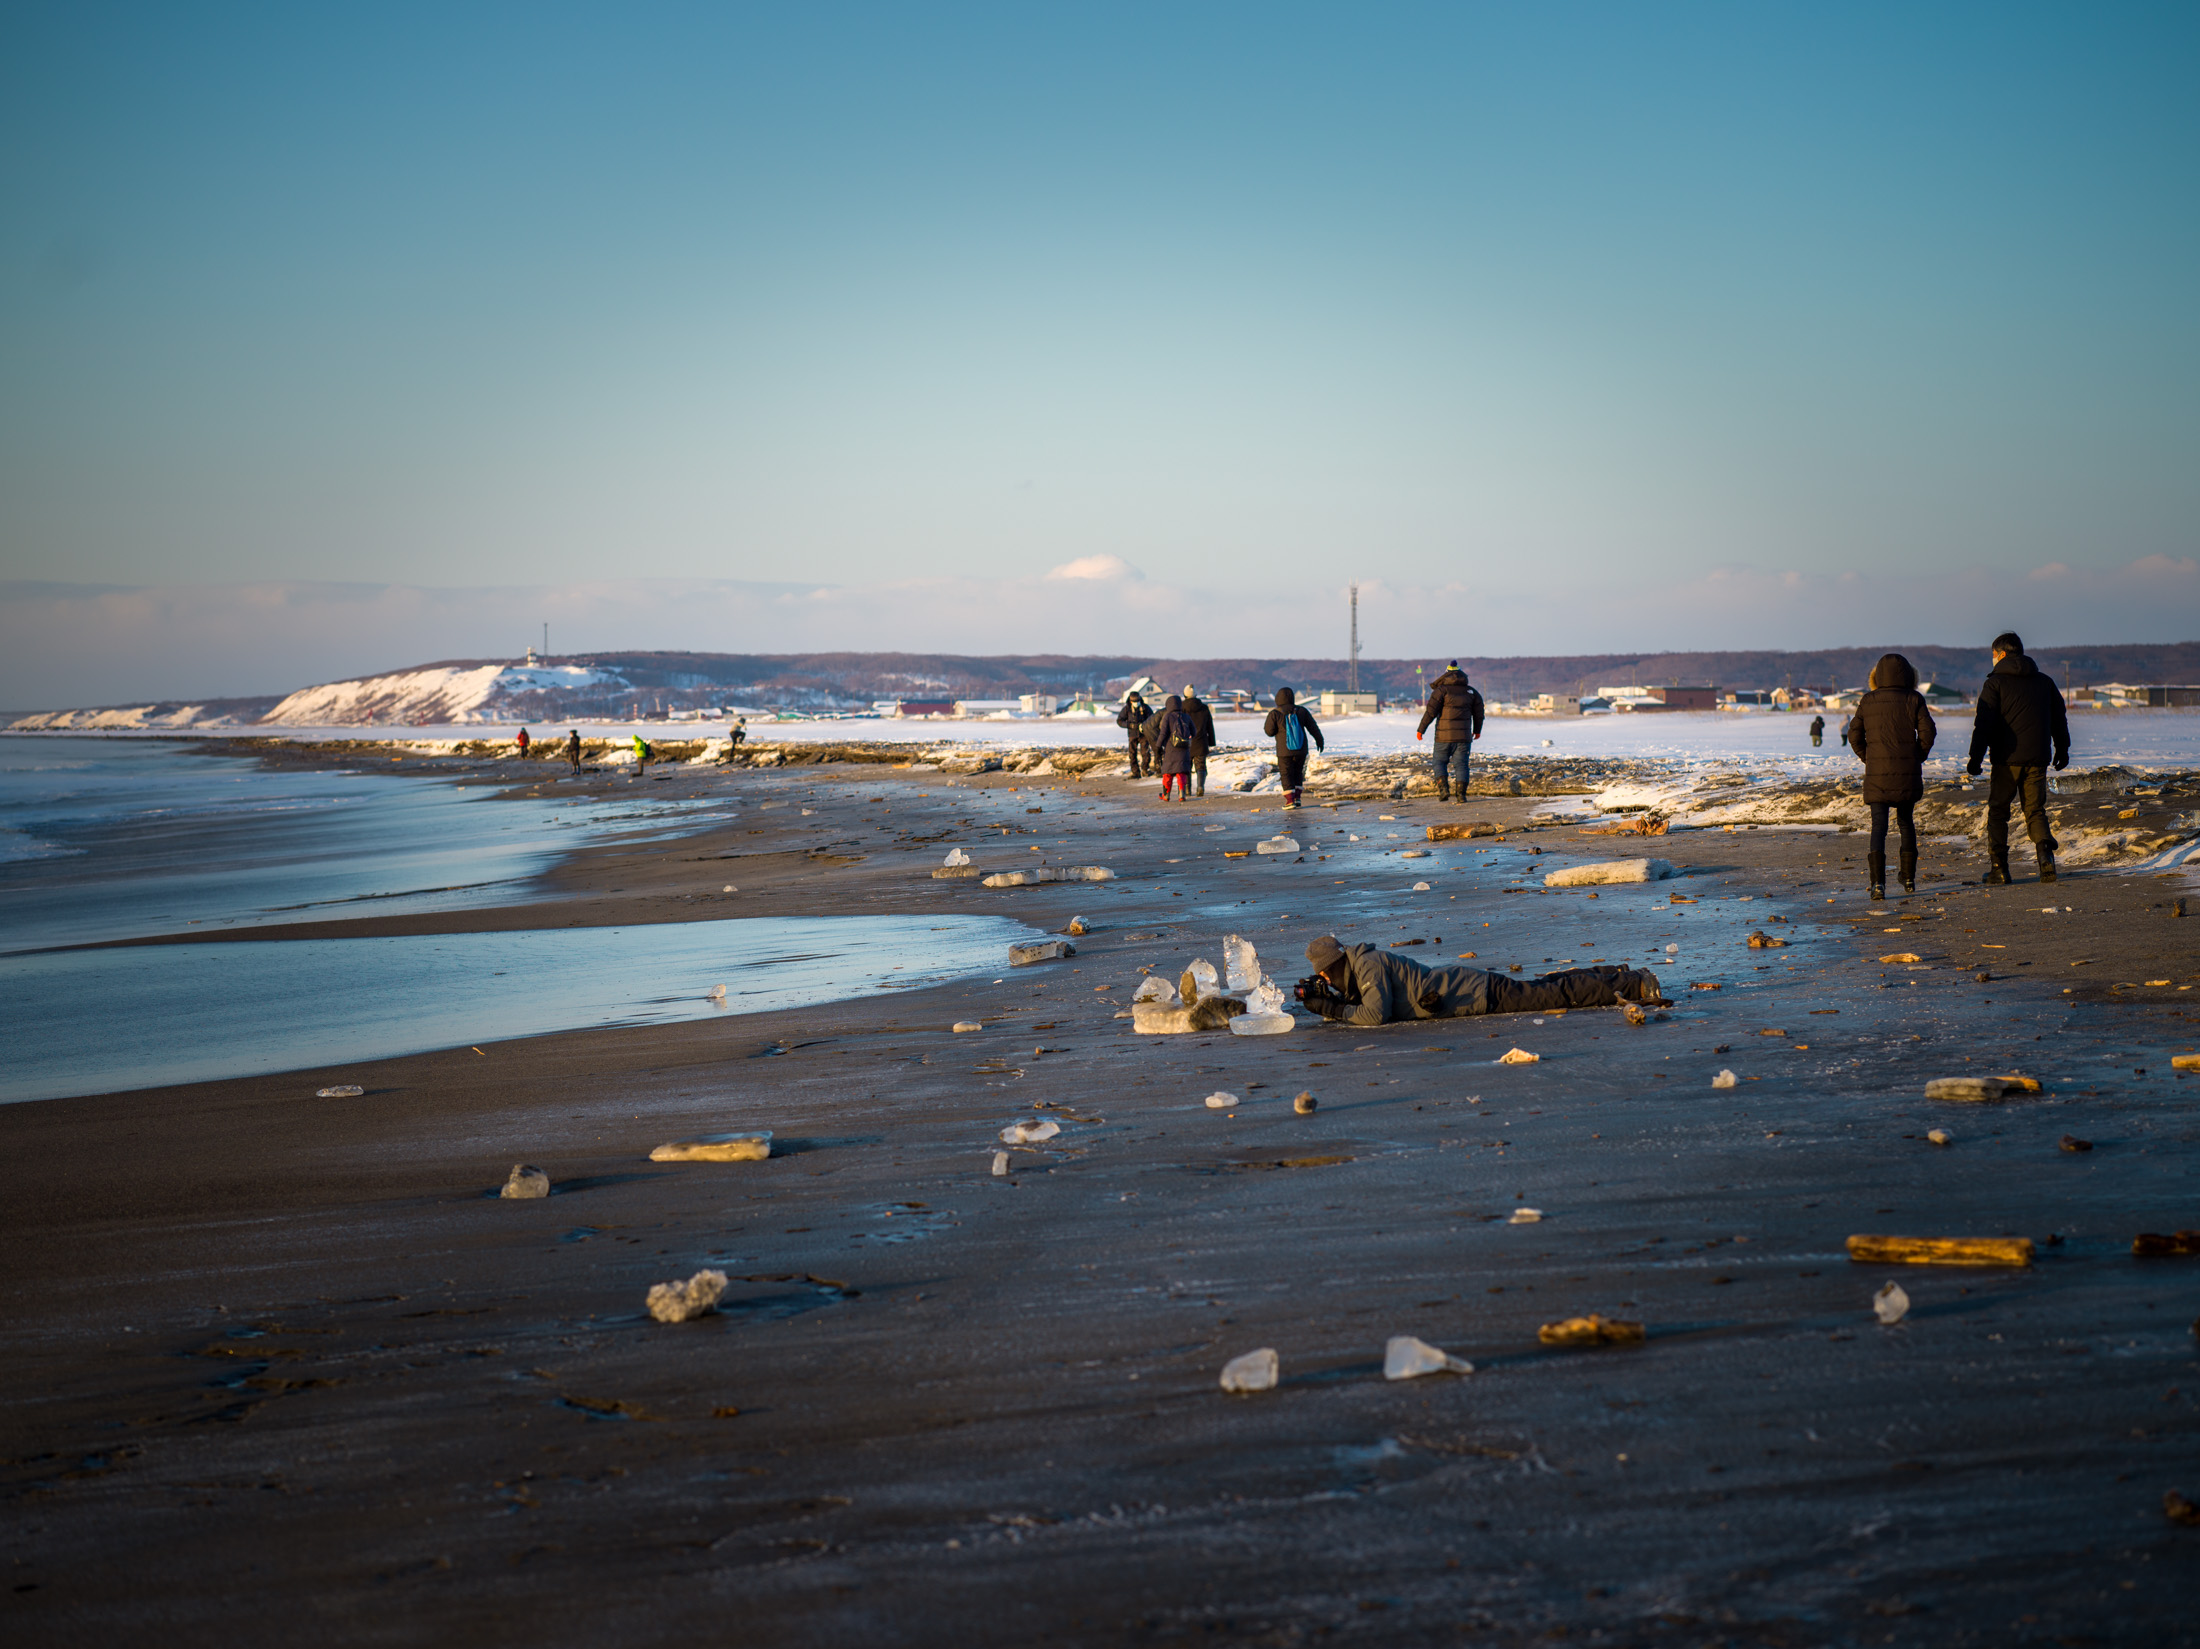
[[118, 838], [101, 1021]]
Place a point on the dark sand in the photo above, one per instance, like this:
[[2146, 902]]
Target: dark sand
[[283, 1369]]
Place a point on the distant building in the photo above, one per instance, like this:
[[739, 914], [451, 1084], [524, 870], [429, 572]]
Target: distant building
[[983, 708], [909, 708], [1561, 704], [1335, 703], [1748, 698], [1673, 698], [1037, 704]]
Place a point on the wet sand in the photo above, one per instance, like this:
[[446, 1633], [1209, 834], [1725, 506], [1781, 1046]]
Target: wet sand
[[280, 1366]]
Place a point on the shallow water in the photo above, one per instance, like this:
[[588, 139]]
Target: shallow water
[[119, 838], [101, 1021]]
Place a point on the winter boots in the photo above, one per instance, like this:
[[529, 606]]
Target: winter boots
[[1443, 790], [1908, 870], [2047, 864], [1876, 865], [1997, 873]]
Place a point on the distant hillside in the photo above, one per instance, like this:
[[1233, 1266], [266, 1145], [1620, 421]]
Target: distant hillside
[[629, 684]]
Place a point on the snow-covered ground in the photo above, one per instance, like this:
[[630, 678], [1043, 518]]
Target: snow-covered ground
[[457, 694]]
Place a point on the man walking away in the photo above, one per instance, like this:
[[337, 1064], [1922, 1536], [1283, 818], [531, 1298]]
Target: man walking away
[[1292, 726], [1892, 732], [2021, 723], [1817, 731], [1132, 718], [1203, 736], [573, 750], [523, 741], [1171, 731], [1456, 709], [642, 754]]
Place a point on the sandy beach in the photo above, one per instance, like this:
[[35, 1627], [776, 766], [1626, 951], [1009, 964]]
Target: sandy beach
[[281, 1365]]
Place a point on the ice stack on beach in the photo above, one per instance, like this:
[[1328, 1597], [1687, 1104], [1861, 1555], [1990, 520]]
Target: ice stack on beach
[[1265, 1013]]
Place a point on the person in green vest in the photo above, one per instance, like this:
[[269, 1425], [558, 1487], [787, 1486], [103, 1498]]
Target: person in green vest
[[641, 757]]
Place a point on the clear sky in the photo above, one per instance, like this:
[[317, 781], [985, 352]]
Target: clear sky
[[1561, 327]]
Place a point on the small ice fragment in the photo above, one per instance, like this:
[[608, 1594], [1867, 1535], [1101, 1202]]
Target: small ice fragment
[[1154, 988], [717, 991], [1276, 844], [752, 1147], [1204, 977], [1305, 1105], [962, 1025], [1265, 997], [1046, 950], [1215, 828], [1725, 1079], [1941, 1136], [956, 856], [1890, 1304], [1000, 1164], [1240, 962], [1030, 1131], [1221, 1101], [729, 888], [677, 1302], [1255, 1371], [1672, 950], [342, 1090], [1525, 1216], [1546, 744], [1078, 927], [1420, 887], [1262, 1024], [1517, 1056], [1405, 1358], [526, 1182]]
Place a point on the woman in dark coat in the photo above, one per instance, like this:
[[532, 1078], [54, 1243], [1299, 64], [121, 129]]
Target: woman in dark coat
[[1295, 731], [1172, 742], [1893, 732]]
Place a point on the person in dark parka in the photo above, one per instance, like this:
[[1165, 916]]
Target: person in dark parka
[[1132, 718], [1892, 732], [2021, 723], [1368, 985], [1171, 734], [1817, 731], [1456, 709], [1294, 729], [573, 750], [1203, 736]]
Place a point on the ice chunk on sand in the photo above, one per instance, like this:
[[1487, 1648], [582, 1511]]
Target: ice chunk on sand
[[1420, 887], [1204, 981], [526, 1182], [677, 1302], [1030, 1131], [1517, 1056], [1000, 1164], [1725, 1079], [342, 1090], [1046, 950], [1051, 873], [1241, 962], [1891, 1304], [1221, 1101], [1610, 870], [963, 1026], [1255, 1371], [1405, 1358], [955, 857], [1154, 988], [1263, 1024], [1277, 844], [752, 1147], [716, 993], [1525, 1216]]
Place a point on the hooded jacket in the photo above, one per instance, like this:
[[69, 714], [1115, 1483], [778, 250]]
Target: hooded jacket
[[1455, 707], [1134, 715], [1384, 987], [1170, 734], [1893, 732], [1203, 725], [1287, 705], [2020, 720]]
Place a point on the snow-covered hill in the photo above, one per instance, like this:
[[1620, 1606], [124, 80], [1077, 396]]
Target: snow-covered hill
[[122, 717], [444, 693]]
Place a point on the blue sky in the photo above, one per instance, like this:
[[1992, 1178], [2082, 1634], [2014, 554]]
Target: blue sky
[[1563, 328]]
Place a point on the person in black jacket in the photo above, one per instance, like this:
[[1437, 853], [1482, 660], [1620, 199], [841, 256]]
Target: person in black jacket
[[2022, 725], [1456, 709], [1817, 731], [1892, 733], [1368, 985], [1171, 734], [573, 750], [1293, 728], [1132, 718], [1203, 736]]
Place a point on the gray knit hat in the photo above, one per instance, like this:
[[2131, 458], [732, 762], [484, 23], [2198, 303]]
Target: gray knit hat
[[1324, 951]]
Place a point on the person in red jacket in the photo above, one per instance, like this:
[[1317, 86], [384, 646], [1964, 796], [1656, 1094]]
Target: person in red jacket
[[523, 741]]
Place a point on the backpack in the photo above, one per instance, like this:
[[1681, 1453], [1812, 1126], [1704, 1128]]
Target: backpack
[[1294, 731]]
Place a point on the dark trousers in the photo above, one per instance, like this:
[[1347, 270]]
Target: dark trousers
[[1199, 769], [1575, 988], [1451, 763], [1291, 770], [1139, 756], [2012, 783], [1905, 817]]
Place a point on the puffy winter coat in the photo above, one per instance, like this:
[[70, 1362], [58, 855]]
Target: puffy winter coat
[[1170, 734], [1385, 987], [1287, 705], [1893, 732], [2020, 720], [1134, 715], [1455, 707], [1203, 726]]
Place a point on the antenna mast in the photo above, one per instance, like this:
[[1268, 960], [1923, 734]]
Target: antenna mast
[[1352, 669]]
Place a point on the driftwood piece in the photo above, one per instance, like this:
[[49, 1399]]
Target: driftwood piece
[[1941, 1250], [1592, 1330], [2176, 1245], [1463, 832]]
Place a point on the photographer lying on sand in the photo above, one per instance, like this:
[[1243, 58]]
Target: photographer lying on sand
[[1364, 985]]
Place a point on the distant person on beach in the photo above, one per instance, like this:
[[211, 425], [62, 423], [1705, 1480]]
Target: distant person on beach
[[1892, 733], [1171, 734], [1369, 985], [739, 732], [642, 753], [1817, 731], [573, 750], [1456, 709], [1293, 728], [1132, 718], [1847, 723], [2021, 723], [1203, 736], [523, 741]]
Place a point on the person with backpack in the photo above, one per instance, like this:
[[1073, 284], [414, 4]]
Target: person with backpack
[[1456, 709], [1132, 718], [573, 750], [2021, 723], [642, 753], [1293, 728], [1203, 736], [1892, 733], [1171, 732], [1818, 725]]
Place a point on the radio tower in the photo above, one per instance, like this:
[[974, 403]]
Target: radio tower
[[1352, 668]]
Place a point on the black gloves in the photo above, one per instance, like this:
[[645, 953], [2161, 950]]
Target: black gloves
[[2062, 761], [1973, 770]]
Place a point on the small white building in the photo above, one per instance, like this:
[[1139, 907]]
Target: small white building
[[1559, 704], [1335, 703], [980, 708], [1037, 704]]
